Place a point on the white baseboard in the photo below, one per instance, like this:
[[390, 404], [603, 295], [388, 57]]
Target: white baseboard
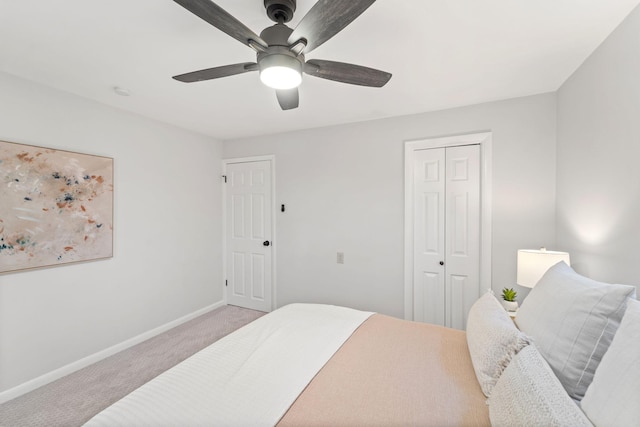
[[33, 384]]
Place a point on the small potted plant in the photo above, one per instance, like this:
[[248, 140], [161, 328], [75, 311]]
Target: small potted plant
[[509, 299]]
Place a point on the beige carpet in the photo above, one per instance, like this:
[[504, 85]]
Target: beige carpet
[[74, 399]]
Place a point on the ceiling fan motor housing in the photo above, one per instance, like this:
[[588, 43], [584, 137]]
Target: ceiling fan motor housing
[[278, 52], [280, 11]]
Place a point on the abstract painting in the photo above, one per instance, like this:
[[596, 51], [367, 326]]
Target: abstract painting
[[56, 207]]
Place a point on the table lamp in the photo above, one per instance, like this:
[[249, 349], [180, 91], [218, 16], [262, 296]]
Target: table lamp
[[532, 264]]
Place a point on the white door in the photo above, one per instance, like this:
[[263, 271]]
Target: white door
[[446, 242], [429, 213], [248, 234]]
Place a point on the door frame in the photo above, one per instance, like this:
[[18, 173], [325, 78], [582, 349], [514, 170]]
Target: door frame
[[274, 241], [484, 139]]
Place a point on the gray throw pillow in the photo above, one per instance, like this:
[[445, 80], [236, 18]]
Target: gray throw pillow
[[572, 319], [493, 340], [613, 398], [529, 394]]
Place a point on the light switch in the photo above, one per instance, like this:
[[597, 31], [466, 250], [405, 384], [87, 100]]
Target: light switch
[[340, 258]]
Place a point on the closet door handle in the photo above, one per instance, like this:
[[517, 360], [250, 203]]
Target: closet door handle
[[266, 243], [441, 262]]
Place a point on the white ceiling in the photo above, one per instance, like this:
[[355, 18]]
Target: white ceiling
[[442, 54]]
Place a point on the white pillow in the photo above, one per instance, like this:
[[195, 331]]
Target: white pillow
[[613, 398], [529, 394], [493, 339], [572, 319]]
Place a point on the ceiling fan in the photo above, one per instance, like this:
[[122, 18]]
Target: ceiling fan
[[281, 50]]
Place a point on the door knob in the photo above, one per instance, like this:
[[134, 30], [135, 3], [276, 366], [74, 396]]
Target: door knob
[[441, 262], [266, 243]]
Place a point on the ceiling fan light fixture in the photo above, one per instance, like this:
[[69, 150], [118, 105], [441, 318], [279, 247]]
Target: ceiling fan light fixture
[[280, 77], [280, 71]]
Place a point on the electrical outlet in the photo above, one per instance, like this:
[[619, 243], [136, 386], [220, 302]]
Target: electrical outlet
[[340, 258]]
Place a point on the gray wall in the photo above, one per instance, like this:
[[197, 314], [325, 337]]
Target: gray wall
[[167, 224], [344, 191], [598, 206]]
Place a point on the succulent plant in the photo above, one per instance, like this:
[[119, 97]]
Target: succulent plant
[[508, 294]]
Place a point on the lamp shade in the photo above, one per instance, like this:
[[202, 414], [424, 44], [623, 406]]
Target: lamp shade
[[532, 264]]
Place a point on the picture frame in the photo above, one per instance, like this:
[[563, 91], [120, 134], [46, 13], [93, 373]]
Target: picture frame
[[56, 207]]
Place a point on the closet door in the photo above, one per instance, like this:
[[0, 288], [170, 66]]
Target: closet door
[[462, 231], [446, 234], [429, 221]]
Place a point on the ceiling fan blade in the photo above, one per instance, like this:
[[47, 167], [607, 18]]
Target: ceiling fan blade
[[288, 98], [325, 19], [222, 20], [346, 73], [217, 72]]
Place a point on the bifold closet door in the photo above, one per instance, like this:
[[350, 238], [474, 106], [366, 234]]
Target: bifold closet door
[[446, 228]]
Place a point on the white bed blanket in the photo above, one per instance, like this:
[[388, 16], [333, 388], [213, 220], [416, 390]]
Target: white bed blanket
[[248, 378]]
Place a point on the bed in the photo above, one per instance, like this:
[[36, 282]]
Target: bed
[[574, 359], [309, 364]]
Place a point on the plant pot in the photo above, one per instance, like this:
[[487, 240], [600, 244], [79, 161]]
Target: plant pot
[[510, 305]]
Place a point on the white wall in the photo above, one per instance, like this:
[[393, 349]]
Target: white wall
[[343, 190], [599, 159], [167, 260]]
